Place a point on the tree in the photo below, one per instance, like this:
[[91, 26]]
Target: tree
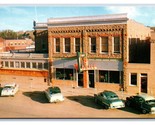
[[8, 34]]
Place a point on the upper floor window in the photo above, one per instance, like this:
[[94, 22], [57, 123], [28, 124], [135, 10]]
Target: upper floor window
[[104, 45], [67, 44], [93, 44], [77, 44], [116, 44], [57, 44]]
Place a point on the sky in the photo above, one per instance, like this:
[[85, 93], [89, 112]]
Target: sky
[[21, 17]]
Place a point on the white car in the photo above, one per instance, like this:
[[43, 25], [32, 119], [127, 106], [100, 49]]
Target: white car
[[54, 94], [9, 89]]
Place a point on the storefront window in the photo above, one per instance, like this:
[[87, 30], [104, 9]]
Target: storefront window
[[109, 76], [65, 74]]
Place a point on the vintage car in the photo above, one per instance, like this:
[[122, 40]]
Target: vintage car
[[9, 89], [108, 99], [142, 102], [54, 94]]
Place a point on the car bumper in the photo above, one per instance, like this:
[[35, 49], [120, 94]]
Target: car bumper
[[56, 100], [117, 106]]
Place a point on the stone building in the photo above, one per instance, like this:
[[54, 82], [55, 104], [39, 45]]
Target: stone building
[[119, 48]]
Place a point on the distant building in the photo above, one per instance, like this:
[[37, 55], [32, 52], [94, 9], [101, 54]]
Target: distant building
[[18, 44], [41, 37], [24, 68], [2, 45]]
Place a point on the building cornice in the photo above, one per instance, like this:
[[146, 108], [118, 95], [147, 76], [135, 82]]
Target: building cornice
[[88, 19]]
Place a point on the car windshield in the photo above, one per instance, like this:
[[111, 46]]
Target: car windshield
[[150, 102], [54, 90], [7, 87], [112, 97]]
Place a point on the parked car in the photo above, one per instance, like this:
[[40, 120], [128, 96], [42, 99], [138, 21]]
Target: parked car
[[54, 94], [10, 89], [143, 102], [109, 99]]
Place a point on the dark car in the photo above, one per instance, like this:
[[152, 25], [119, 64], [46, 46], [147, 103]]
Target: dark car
[[109, 99], [143, 103]]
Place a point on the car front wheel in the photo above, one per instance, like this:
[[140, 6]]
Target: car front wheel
[[144, 111], [106, 107]]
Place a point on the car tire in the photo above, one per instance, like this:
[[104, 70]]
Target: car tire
[[144, 111], [106, 107]]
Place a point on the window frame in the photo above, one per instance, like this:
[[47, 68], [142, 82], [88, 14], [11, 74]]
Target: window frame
[[116, 45], [101, 44], [92, 45], [130, 80], [55, 45], [76, 45], [69, 47]]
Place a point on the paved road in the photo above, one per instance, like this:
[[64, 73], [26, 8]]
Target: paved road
[[30, 102]]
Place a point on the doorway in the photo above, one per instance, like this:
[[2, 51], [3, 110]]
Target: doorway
[[80, 79], [144, 83], [91, 78]]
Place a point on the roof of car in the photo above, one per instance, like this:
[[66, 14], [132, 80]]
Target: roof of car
[[109, 93], [10, 84], [146, 97], [55, 88]]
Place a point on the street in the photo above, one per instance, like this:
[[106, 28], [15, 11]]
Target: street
[[31, 102]]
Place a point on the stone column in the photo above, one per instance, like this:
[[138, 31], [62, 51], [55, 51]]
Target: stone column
[[85, 50], [85, 79], [50, 61]]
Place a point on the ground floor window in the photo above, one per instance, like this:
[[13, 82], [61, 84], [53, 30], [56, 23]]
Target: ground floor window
[[133, 79], [65, 74], [109, 76]]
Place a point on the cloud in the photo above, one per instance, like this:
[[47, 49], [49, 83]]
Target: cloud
[[132, 11]]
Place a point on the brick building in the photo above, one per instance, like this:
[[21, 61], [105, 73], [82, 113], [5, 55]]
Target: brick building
[[24, 68], [119, 48], [2, 48], [17, 44]]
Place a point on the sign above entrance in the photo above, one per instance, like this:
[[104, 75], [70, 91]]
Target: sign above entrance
[[83, 63]]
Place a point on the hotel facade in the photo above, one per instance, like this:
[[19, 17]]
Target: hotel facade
[[119, 52]]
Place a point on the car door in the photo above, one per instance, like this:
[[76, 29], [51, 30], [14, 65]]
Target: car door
[[138, 102], [100, 98]]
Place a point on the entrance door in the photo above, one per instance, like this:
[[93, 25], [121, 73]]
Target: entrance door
[[80, 79], [144, 83], [91, 78]]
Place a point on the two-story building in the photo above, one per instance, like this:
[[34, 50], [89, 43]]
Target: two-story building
[[117, 51]]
